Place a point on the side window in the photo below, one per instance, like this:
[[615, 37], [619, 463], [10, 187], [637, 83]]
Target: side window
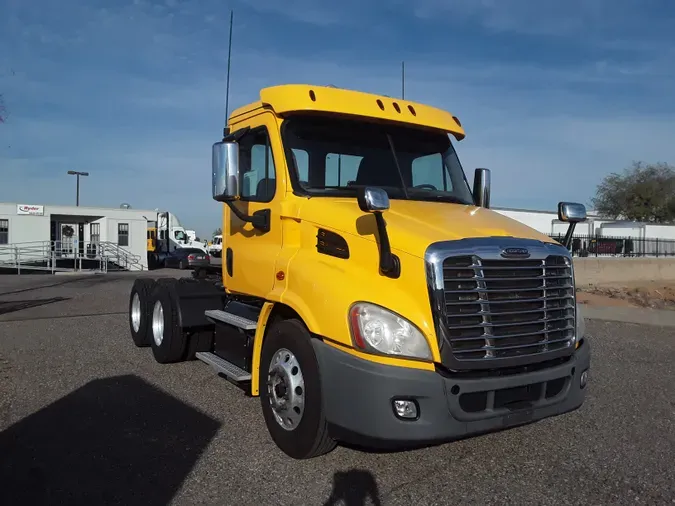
[[340, 169], [256, 165], [123, 234], [95, 232], [4, 231], [430, 170]]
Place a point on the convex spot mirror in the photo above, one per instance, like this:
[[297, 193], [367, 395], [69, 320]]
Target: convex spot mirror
[[225, 171], [571, 212]]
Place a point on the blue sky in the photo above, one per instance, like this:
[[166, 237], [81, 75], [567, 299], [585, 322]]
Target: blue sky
[[553, 95]]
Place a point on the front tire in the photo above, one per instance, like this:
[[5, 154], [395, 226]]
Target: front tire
[[139, 315], [290, 392]]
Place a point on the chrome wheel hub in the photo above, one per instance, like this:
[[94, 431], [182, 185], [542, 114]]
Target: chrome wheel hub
[[286, 389], [136, 312], [158, 323]]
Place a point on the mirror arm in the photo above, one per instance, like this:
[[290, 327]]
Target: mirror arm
[[259, 219], [390, 265], [567, 242]]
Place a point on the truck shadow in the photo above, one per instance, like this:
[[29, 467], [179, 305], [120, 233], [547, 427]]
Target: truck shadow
[[117, 440], [353, 488]]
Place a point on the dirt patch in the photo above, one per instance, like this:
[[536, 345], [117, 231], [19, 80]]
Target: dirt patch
[[654, 295]]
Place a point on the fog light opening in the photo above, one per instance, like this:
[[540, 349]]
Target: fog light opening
[[406, 409], [583, 379]]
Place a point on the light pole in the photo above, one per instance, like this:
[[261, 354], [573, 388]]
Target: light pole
[[77, 174]]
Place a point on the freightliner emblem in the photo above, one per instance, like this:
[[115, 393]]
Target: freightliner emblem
[[515, 253]]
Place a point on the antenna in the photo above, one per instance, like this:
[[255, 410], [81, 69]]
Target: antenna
[[229, 58], [402, 80]]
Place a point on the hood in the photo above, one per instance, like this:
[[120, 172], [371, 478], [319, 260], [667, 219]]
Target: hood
[[414, 225]]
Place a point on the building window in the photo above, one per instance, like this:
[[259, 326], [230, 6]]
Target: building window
[[94, 232], [4, 231], [123, 234]]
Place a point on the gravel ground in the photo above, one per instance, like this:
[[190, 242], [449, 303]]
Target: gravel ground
[[88, 418]]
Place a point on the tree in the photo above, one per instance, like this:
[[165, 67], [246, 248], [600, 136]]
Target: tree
[[643, 192], [218, 231]]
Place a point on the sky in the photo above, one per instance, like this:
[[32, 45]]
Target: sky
[[553, 95]]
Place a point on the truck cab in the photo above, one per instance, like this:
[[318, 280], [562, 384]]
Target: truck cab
[[216, 247], [369, 294]]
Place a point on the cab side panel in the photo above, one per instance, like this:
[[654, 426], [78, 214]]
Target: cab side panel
[[321, 285]]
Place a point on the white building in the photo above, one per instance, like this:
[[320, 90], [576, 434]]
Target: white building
[[75, 231], [547, 222]]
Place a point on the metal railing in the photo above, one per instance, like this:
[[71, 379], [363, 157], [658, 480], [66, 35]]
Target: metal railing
[[617, 246], [68, 256]]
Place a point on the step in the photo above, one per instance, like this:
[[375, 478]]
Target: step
[[229, 318], [223, 366]]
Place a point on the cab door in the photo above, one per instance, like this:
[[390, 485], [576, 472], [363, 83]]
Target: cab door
[[249, 254]]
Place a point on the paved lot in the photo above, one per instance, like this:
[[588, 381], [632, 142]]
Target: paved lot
[[85, 417]]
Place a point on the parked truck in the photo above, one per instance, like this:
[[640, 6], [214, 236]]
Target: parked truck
[[216, 246], [165, 235], [368, 293]]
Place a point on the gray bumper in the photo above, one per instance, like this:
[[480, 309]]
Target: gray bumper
[[358, 397]]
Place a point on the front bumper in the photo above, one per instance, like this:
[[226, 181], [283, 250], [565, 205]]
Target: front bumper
[[358, 399]]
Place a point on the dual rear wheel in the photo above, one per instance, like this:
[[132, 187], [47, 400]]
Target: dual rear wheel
[[154, 321]]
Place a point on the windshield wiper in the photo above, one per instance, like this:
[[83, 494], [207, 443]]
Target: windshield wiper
[[443, 198], [398, 167]]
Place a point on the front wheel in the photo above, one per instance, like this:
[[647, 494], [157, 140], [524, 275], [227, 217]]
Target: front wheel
[[290, 392]]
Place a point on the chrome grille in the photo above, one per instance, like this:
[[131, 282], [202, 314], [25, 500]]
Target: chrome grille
[[508, 308]]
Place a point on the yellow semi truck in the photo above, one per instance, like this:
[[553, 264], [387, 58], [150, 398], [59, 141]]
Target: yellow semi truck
[[368, 293]]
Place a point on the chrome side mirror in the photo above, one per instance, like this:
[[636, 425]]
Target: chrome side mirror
[[571, 212], [225, 171], [373, 200], [481, 187]]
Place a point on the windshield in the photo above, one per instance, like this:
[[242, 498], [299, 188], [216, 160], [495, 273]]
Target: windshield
[[332, 156]]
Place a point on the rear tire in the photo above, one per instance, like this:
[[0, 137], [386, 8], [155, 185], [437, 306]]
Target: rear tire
[[139, 314], [167, 339], [293, 387]]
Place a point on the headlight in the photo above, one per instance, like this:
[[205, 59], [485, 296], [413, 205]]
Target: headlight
[[581, 324], [378, 330]]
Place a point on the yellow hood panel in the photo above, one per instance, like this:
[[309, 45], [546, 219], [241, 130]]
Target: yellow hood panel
[[414, 225]]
